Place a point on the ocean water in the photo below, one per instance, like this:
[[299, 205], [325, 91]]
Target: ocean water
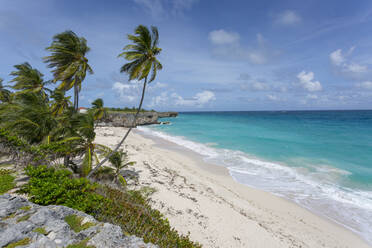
[[322, 160]]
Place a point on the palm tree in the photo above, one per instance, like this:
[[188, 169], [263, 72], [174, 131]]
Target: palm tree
[[142, 56], [86, 142], [60, 103], [69, 62], [29, 116], [119, 160], [98, 110], [4, 93], [28, 79]]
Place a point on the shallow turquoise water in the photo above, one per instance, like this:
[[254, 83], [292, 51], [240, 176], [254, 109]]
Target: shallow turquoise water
[[320, 159], [342, 139]]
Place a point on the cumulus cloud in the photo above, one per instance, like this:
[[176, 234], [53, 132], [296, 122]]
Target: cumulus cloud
[[127, 92], [221, 37], [159, 100], [337, 58], [307, 81], [288, 18], [157, 86], [342, 63], [199, 100]]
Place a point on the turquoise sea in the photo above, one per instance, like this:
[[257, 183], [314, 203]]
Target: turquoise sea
[[322, 160]]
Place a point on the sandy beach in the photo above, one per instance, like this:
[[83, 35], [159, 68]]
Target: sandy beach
[[203, 200]]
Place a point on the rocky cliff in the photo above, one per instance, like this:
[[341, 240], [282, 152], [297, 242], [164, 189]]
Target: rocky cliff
[[29, 225], [126, 119]]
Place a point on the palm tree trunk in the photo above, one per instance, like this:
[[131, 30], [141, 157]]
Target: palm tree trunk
[[76, 97], [126, 134]]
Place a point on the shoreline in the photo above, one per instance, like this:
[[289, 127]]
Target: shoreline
[[204, 199]]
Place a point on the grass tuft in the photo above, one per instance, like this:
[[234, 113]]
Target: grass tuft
[[24, 241], [81, 244], [74, 222], [40, 230], [25, 208], [24, 218], [6, 181], [10, 216]]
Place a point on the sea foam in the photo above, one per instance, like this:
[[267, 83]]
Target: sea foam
[[316, 190]]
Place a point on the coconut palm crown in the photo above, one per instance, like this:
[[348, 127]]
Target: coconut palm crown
[[142, 54], [4, 93], [69, 62], [28, 79]]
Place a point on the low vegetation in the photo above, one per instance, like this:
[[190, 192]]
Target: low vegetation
[[81, 244], [6, 180], [75, 223], [21, 242], [40, 230], [127, 208], [24, 218], [53, 186]]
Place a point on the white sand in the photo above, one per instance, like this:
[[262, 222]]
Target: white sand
[[204, 200]]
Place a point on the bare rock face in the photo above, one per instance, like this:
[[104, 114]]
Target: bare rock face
[[127, 119], [45, 226]]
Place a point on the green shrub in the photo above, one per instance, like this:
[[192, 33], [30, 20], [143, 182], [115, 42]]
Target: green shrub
[[128, 209], [132, 212], [6, 181], [50, 186]]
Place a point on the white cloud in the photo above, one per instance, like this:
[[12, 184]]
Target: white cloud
[[198, 100], [222, 37], [127, 92], [272, 97], [345, 66], [356, 68], [260, 86], [157, 85], [227, 45], [288, 18], [367, 85], [337, 58], [154, 7], [255, 86], [162, 8], [307, 81], [181, 5], [159, 100]]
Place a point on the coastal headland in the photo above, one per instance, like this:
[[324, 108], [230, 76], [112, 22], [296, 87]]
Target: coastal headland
[[123, 119]]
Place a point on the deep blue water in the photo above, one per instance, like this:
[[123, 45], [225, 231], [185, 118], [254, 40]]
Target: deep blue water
[[319, 159]]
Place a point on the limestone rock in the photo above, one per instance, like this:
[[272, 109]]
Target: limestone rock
[[45, 226]]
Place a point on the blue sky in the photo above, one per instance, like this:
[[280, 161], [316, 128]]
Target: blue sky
[[217, 55]]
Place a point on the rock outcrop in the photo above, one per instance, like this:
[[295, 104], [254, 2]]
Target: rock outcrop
[[30, 225], [126, 119]]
